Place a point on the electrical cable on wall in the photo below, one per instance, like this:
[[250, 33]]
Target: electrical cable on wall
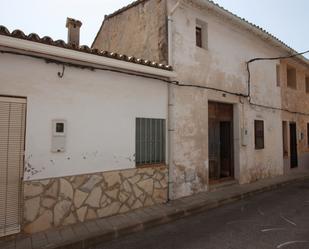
[[249, 81], [263, 59], [173, 82], [92, 68]]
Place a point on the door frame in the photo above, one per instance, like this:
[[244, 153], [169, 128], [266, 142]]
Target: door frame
[[231, 150], [218, 120]]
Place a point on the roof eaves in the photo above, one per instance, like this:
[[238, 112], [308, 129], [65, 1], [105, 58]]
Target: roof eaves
[[85, 49], [125, 8]]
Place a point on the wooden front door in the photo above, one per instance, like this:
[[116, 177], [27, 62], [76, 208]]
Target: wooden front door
[[293, 145], [12, 128], [226, 149], [220, 141]]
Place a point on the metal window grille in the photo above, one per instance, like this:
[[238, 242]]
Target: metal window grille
[[150, 141], [259, 134]]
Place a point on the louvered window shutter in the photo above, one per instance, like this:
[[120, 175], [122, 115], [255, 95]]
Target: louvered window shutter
[[12, 128]]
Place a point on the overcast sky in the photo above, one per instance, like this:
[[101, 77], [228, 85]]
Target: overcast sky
[[286, 19]]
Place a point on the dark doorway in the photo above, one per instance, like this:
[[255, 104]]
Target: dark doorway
[[220, 140], [225, 149], [293, 145]]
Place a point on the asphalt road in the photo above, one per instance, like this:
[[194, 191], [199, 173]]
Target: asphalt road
[[277, 219]]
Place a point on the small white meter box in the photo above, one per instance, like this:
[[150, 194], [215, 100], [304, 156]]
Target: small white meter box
[[59, 133]]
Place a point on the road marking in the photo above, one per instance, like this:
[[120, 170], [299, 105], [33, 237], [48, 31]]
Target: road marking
[[287, 220], [239, 221], [272, 229], [292, 242]]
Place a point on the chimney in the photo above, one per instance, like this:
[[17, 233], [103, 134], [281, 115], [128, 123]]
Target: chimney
[[73, 31]]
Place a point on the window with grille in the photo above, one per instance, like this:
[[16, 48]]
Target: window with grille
[[259, 134], [201, 34], [150, 141]]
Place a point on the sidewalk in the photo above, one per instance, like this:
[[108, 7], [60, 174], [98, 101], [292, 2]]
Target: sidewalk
[[88, 234]]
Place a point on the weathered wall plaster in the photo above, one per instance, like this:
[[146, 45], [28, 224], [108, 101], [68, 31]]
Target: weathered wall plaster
[[223, 66], [139, 31], [296, 100], [68, 200], [100, 108]]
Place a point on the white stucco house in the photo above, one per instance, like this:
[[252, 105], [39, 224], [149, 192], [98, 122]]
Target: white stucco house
[[74, 125]]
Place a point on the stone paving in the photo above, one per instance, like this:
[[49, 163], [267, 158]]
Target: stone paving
[[90, 233]]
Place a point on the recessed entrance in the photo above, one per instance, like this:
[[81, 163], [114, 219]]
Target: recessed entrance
[[220, 142]]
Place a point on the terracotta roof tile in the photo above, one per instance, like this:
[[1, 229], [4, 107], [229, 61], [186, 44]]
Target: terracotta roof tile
[[85, 49]]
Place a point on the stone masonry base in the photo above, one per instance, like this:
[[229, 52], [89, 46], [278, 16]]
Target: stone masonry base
[[69, 200]]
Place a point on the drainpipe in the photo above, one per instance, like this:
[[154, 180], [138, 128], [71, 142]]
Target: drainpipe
[[170, 32], [171, 120]]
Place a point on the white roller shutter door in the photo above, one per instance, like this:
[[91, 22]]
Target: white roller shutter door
[[12, 133]]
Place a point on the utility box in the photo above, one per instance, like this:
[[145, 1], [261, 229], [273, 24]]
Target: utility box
[[59, 133], [301, 136], [244, 136]]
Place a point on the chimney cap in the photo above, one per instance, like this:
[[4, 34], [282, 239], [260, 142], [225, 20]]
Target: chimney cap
[[73, 22]]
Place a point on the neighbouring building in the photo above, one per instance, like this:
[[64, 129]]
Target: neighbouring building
[[74, 123], [232, 116], [293, 80]]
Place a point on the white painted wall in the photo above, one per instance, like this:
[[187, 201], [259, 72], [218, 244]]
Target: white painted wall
[[100, 108]]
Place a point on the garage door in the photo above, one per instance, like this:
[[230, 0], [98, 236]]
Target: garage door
[[12, 133]]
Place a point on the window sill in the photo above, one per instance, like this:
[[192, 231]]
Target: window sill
[[202, 48], [154, 165], [292, 88]]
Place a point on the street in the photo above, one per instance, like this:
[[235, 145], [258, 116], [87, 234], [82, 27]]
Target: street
[[277, 219]]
